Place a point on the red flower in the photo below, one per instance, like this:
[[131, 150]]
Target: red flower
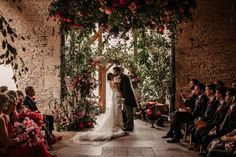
[[149, 112], [123, 2], [90, 123], [81, 125], [158, 113], [161, 29], [181, 10], [149, 2]]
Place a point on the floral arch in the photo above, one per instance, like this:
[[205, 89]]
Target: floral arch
[[89, 27]]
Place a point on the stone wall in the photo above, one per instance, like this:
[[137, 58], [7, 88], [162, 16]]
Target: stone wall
[[206, 47], [42, 42]]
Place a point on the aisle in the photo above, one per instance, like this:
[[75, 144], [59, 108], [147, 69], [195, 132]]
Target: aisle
[[143, 142]]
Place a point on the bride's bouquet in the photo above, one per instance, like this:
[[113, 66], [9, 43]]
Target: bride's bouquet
[[28, 132]]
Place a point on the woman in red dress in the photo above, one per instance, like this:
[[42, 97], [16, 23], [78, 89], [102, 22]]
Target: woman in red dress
[[10, 147]]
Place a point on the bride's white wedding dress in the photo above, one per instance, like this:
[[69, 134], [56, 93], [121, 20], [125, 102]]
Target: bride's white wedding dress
[[111, 126]]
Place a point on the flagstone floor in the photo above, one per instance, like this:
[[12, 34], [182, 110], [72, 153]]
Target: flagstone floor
[[142, 142]]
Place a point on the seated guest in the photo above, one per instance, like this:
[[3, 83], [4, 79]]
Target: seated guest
[[188, 101], [204, 127], [20, 98], [10, 147], [30, 103], [11, 112], [29, 99], [211, 106], [233, 84], [188, 116], [226, 126], [3, 89], [221, 110], [219, 83], [224, 146]]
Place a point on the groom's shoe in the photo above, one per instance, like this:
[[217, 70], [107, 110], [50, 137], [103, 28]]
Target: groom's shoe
[[128, 129], [167, 136]]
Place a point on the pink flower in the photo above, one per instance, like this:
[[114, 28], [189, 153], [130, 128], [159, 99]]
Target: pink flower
[[28, 132], [108, 11]]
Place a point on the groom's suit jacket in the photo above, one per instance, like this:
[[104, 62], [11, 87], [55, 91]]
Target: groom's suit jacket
[[126, 91]]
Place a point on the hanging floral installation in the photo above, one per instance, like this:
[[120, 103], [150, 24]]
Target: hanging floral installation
[[119, 16]]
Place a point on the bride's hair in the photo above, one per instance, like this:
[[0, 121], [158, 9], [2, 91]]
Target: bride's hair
[[110, 76]]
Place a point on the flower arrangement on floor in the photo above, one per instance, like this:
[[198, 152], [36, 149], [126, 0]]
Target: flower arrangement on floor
[[119, 16], [153, 113], [28, 132]]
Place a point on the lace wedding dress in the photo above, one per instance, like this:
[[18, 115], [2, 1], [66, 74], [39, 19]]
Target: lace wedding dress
[[112, 124]]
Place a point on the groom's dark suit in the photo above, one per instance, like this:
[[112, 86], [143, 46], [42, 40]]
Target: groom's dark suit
[[129, 102]]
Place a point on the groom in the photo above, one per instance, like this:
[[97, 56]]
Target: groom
[[128, 95]]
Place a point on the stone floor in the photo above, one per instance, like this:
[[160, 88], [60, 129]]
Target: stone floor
[[143, 142]]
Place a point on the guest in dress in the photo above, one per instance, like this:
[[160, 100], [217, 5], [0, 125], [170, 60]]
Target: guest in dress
[[3, 89], [8, 146]]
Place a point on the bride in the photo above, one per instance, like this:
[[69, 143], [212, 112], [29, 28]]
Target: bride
[[112, 125]]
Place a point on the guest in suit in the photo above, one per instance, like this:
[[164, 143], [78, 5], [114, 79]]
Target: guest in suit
[[226, 126], [203, 128], [224, 146], [221, 110], [29, 99], [212, 104], [189, 115], [188, 102], [233, 84], [129, 98], [219, 83], [30, 103]]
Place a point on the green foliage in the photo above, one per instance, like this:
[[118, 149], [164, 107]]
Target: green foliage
[[9, 56], [78, 74], [154, 64]]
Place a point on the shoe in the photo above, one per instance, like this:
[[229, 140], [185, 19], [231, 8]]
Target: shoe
[[173, 140], [126, 133], [127, 129], [167, 136], [191, 148]]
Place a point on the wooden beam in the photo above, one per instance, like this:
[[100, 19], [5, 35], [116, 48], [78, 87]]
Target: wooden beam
[[102, 78], [135, 42], [109, 66], [93, 38]]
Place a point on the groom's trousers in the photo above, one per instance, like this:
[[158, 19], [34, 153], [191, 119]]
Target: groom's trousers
[[129, 125]]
